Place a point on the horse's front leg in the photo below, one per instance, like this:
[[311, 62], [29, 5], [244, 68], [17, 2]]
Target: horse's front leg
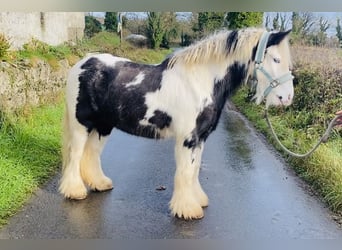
[[188, 196], [200, 195]]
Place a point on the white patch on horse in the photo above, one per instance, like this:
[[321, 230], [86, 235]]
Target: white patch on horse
[[137, 80], [173, 97]]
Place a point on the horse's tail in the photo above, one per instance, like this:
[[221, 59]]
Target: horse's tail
[[66, 139]]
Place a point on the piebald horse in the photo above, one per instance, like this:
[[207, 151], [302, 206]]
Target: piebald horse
[[182, 97]]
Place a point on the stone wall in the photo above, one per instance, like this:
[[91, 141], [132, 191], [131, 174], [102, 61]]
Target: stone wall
[[50, 27], [30, 85]]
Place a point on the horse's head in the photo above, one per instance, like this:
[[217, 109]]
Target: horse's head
[[273, 70]]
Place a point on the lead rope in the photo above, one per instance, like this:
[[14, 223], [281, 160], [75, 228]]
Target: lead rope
[[323, 139]]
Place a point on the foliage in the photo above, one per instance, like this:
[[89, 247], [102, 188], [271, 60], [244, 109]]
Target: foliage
[[317, 98], [4, 46], [52, 54], [186, 39], [108, 42], [237, 20], [321, 34], [275, 23], [209, 22], [104, 41], [171, 28], [111, 21], [279, 22], [302, 23], [339, 31], [318, 82], [307, 28], [155, 29], [135, 24], [92, 26], [161, 28]]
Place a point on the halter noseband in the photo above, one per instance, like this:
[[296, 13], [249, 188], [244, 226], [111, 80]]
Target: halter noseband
[[259, 57]]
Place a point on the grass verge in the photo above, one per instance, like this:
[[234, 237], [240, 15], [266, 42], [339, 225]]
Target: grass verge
[[29, 154], [323, 169]]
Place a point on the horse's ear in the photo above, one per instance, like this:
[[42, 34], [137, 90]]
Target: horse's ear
[[276, 38]]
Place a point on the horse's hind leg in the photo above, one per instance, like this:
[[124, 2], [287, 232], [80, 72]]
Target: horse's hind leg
[[91, 170], [188, 197], [75, 137]]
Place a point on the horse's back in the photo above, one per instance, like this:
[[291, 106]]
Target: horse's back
[[92, 62], [105, 59]]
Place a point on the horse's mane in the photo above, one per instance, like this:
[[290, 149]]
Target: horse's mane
[[214, 47]]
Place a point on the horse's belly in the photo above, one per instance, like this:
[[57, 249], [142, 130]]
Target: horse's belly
[[147, 131]]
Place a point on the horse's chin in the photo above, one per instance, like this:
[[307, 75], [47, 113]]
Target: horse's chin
[[270, 101], [275, 102]]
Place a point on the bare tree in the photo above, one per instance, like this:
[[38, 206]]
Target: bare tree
[[284, 22], [339, 31], [275, 22], [280, 21], [302, 23], [323, 26]]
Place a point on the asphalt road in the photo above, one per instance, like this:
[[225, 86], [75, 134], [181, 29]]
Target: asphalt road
[[252, 193]]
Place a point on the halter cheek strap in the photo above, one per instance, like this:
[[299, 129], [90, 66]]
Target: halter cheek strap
[[259, 58], [260, 53], [274, 82]]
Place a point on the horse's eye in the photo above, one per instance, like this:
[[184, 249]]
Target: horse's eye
[[276, 60]]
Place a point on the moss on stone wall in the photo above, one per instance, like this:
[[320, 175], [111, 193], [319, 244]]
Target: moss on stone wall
[[23, 85]]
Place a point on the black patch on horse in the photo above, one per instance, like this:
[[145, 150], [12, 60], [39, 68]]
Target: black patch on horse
[[276, 38], [254, 50], [160, 119], [104, 101], [232, 40], [205, 124], [208, 118]]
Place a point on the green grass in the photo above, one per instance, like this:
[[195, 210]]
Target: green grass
[[29, 154], [35, 49], [103, 42], [323, 169], [107, 42]]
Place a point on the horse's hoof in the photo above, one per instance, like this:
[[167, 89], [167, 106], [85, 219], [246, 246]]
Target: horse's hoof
[[102, 190], [76, 197], [188, 210], [76, 192], [105, 184]]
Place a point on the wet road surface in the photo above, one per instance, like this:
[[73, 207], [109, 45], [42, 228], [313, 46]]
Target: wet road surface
[[252, 195]]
